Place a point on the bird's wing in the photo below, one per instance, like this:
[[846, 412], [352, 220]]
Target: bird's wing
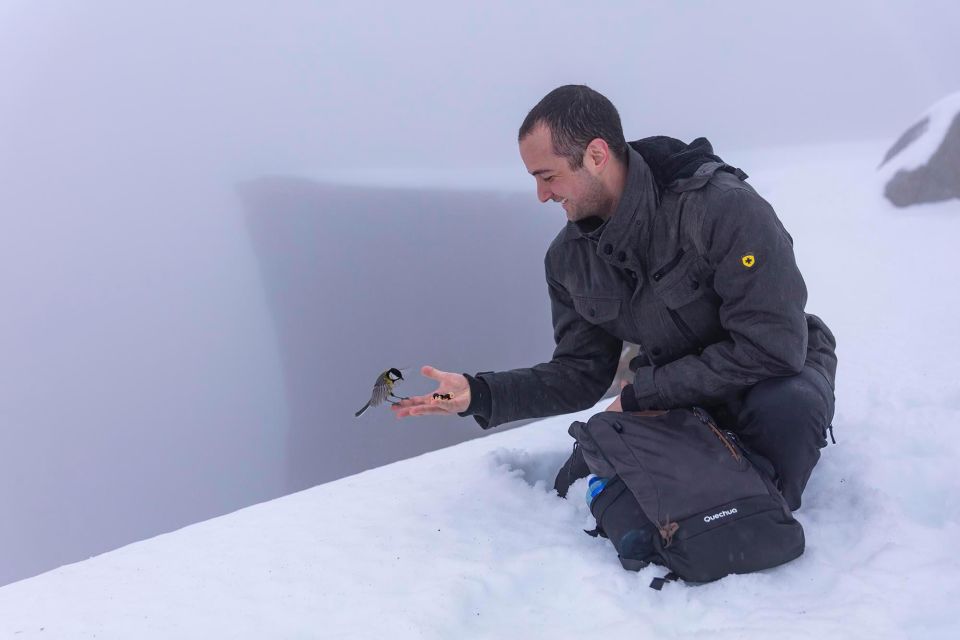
[[380, 392]]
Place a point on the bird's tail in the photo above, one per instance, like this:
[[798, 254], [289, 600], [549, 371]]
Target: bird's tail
[[359, 413]]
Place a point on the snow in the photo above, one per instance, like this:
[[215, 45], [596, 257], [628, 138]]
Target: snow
[[471, 542]]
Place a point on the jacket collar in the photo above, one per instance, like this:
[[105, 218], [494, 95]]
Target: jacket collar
[[654, 165], [616, 239]]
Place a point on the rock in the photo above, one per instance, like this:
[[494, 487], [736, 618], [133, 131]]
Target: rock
[[924, 164], [906, 139]]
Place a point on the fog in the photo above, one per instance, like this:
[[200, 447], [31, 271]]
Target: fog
[[193, 309]]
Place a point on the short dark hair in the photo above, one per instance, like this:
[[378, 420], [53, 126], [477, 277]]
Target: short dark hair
[[576, 114]]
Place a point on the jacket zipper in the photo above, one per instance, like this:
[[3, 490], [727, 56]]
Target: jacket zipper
[[667, 268]]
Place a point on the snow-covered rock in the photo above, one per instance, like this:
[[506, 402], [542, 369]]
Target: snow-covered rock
[[924, 164]]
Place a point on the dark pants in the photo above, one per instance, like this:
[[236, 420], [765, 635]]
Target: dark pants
[[785, 420]]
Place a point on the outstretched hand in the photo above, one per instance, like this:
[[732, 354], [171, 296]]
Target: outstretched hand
[[454, 384]]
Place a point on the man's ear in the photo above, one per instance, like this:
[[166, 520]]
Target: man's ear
[[596, 156]]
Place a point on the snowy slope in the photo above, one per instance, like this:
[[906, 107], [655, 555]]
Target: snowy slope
[[470, 541]]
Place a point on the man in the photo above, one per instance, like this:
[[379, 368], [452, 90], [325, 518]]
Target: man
[[665, 247]]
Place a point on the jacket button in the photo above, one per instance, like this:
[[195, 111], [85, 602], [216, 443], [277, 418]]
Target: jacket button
[[656, 351], [608, 249], [695, 284], [621, 256]]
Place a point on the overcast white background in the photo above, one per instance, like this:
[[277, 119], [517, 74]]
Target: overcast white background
[[141, 385]]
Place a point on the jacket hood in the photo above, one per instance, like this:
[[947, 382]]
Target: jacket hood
[[675, 163], [658, 163]]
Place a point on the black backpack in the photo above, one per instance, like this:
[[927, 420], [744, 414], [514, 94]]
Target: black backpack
[[684, 494]]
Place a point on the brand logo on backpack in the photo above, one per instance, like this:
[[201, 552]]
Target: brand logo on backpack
[[722, 514]]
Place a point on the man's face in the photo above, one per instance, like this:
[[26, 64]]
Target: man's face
[[580, 192]]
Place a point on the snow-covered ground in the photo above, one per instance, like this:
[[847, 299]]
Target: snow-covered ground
[[471, 542]]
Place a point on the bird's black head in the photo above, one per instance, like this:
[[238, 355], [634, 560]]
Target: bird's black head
[[395, 374]]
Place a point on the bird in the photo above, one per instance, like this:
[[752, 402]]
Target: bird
[[383, 390]]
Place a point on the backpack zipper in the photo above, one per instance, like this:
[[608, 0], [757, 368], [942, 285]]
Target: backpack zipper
[[717, 432]]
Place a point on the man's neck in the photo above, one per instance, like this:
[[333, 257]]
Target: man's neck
[[616, 184]]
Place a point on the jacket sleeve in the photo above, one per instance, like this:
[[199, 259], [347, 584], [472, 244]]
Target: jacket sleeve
[[762, 309], [582, 368]]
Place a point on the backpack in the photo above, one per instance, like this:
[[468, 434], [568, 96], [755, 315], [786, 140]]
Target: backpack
[[684, 494]]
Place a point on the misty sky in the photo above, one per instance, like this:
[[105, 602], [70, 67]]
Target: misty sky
[[267, 86], [141, 382]]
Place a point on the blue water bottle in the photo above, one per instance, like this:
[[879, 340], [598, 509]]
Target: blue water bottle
[[595, 485]]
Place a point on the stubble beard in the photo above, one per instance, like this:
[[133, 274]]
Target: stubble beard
[[595, 202]]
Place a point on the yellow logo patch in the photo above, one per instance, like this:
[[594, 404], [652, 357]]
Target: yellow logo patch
[[748, 260]]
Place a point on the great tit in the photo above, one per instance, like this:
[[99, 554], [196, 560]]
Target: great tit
[[383, 390]]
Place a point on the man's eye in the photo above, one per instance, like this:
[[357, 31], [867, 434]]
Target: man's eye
[[549, 179]]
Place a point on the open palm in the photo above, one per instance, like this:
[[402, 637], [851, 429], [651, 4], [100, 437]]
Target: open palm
[[453, 384]]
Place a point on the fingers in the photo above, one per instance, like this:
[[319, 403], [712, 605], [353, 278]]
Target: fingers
[[453, 384], [449, 382], [428, 405], [432, 372], [416, 400], [615, 406], [421, 410]]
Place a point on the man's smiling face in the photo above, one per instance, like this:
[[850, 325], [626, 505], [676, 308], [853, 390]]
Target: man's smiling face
[[580, 192]]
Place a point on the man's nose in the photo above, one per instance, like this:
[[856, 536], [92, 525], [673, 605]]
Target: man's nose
[[543, 194]]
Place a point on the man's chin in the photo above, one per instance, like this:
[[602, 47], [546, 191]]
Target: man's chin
[[577, 215]]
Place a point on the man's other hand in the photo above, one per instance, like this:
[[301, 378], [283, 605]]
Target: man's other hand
[[615, 406], [454, 384]]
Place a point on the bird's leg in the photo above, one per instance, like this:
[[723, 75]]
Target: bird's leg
[[398, 397]]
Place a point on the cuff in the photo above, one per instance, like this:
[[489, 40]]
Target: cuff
[[642, 395], [481, 403]]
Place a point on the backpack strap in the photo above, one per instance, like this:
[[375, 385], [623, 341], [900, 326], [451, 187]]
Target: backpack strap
[[572, 470]]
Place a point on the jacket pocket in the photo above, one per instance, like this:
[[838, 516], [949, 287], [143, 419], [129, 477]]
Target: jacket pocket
[[679, 289], [597, 310], [682, 284]]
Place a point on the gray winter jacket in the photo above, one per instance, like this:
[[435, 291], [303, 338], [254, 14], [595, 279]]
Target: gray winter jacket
[[700, 273]]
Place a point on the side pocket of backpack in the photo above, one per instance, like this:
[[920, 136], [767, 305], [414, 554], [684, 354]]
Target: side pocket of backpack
[[620, 518]]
